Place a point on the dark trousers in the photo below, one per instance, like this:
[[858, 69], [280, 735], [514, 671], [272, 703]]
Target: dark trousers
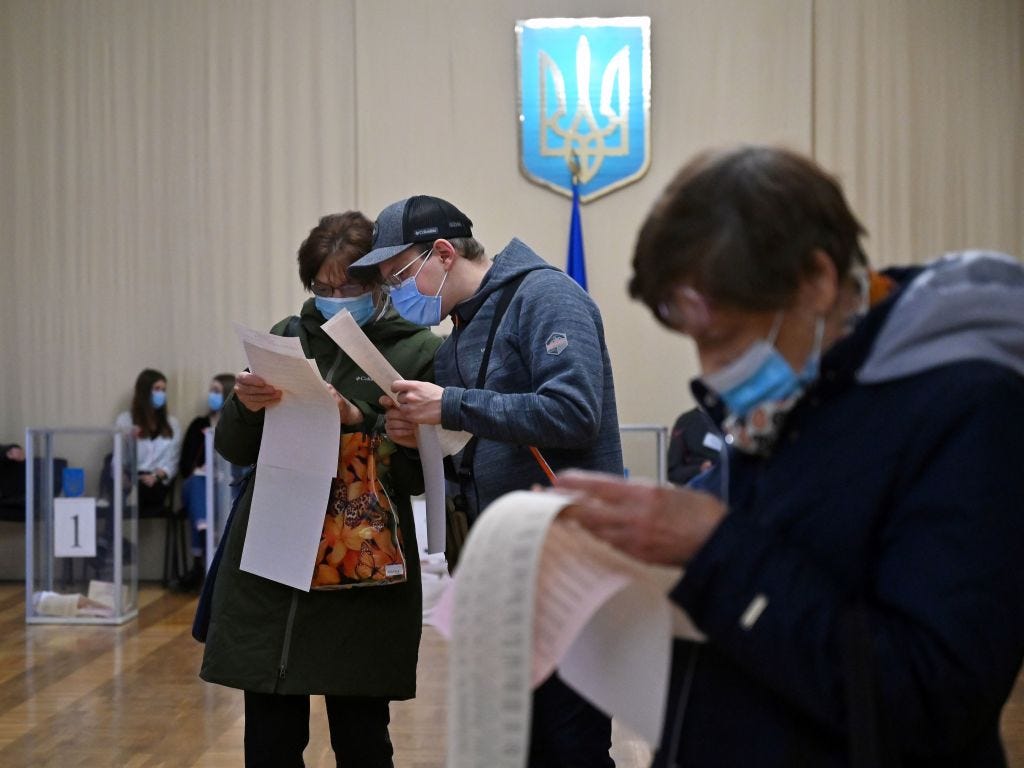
[[567, 731], [277, 730]]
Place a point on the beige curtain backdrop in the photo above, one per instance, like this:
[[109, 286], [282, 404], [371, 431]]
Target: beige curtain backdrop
[[163, 159]]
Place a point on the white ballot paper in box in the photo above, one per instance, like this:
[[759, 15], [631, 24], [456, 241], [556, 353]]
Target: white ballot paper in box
[[533, 593], [297, 460], [434, 442]]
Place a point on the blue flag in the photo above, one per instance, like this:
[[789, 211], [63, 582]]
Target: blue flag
[[576, 268]]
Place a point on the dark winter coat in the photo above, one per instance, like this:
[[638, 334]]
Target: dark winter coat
[[268, 637], [885, 534]]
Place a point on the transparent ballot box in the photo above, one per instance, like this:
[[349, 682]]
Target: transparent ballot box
[[645, 450], [81, 527], [219, 495]]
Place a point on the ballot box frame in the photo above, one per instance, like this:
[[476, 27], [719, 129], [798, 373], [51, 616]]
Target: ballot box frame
[[660, 444], [123, 463]]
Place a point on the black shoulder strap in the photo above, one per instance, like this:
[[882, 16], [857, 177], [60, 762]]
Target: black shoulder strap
[[465, 471]]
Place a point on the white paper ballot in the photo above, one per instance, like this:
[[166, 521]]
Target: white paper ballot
[[297, 460], [434, 442], [533, 593], [285, 525]]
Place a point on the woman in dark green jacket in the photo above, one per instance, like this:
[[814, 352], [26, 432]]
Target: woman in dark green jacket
[[356, 646]]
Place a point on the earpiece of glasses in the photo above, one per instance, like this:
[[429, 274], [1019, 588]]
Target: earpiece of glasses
[[346, 291], [394, 279]]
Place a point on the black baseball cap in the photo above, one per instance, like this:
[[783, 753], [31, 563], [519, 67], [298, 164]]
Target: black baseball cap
[[418, 219]]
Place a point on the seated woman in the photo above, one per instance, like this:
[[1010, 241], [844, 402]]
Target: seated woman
[[192, 468], [158, 438]]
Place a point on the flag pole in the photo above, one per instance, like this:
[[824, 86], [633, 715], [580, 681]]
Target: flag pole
[[575, 265]]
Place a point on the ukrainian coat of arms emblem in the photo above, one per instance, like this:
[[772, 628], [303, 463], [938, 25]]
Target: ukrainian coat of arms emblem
[[584, 102]]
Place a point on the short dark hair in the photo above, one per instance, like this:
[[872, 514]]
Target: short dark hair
[[468, 247], [740, 227], [338, 235]]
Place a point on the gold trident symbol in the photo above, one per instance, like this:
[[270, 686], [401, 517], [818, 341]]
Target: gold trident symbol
[[584, 144]]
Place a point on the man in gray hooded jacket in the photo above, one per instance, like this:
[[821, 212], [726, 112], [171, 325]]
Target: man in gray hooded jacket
[[546, 384]]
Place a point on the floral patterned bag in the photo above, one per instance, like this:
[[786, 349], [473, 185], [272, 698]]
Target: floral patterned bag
[[361, 543]]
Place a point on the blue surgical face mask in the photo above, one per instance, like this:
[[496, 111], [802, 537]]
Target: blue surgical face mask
[[158, 397], [362, 308], [414, 306], [215, 400], [759, 388]]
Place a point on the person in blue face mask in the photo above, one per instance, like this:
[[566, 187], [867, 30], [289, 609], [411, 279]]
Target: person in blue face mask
[[192, 470], [547, 384], [158, 438], [854, 557], [356, 646]]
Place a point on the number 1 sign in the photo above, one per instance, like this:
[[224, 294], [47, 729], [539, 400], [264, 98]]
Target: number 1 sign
[[74, 527]]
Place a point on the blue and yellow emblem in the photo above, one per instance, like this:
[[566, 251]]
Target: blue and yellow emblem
[[584, 102]]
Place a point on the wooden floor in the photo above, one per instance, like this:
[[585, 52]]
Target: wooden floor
[[130, 696]]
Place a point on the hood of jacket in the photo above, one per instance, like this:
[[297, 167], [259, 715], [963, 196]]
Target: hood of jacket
[[513, 260], [964, 306]]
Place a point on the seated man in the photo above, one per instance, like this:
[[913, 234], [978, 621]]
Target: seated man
[[694, 446], [12, 482]]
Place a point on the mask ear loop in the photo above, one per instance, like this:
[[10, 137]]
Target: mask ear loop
[[773, 334], [384, 304], [814, 360], [438, 294]]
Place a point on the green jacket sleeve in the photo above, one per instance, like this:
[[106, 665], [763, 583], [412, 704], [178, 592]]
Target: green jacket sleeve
[[238, 433]]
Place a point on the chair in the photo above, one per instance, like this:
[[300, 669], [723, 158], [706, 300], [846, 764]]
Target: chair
[[175, 534], [175, 541]]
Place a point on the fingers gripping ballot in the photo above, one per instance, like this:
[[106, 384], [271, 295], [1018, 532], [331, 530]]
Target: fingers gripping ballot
[[418, 401], [400, 429], [254, 392], [350, 414], [665, 525], [415, 403]]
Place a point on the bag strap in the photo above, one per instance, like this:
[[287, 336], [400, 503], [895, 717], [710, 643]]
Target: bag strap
[[465, 471]]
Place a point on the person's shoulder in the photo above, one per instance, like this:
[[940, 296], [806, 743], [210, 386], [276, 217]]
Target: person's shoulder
[[198, 423], [554, 284], [287, 326]]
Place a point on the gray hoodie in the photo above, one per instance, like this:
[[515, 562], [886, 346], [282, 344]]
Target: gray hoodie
[[549, 379], [964, 306]]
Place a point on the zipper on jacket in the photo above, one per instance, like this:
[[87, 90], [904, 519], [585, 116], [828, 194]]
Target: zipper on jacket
[[282, 668], [334, 366]]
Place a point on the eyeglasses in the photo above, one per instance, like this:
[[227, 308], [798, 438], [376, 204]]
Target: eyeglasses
[[685, 310], [346, 291], [394, 280]]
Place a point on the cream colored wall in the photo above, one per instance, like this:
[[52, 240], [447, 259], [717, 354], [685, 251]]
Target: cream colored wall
[[162, 161], [919, 108]]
